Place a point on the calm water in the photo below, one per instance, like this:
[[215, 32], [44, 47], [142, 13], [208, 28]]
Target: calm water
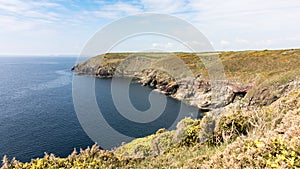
[[37, 113]]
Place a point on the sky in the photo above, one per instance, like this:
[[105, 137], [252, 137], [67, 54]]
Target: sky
[[53, 27]]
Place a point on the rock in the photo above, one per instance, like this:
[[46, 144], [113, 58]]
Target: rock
[[207, 127], [266, 95], [194, 91], [141, 151], [162, 143], [182, 127]]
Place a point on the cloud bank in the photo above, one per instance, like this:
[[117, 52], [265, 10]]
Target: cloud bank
[[63, 27]]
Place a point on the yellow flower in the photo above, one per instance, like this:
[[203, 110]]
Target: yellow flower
[[284, 152], [39, 163], [274, 165], [259, 144], [292, 161], [293, 154], [282, 157]]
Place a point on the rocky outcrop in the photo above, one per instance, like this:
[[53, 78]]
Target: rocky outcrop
[[193, 90], [265, 95], [156, 72], [86, 69], [158, 80], [101, 71]]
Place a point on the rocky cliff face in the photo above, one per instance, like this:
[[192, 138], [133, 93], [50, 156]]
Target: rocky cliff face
[[193, 90], [251, 79]]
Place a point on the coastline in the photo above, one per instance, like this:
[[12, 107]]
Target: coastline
[[195, 88], [256, 128]]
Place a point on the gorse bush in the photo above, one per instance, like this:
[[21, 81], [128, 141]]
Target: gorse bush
[[232, 125], [163, 141], [187, 132], [278, 152], [92, 158], [191, 133], [274, 152]]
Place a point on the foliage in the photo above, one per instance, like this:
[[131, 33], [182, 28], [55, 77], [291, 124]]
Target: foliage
[[90, 158], [189, 133], [232, 125]]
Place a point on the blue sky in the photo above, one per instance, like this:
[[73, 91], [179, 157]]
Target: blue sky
[[64, 26]]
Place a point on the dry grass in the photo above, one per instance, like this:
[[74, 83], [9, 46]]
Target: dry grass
[[246, 67]]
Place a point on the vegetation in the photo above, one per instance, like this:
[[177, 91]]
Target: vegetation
[[246, 67], [266, 137], [243, 136]]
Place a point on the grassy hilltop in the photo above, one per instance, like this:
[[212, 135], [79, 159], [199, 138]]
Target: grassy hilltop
[[261, 130], [241, 66]]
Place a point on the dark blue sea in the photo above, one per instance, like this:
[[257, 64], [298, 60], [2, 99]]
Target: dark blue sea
[[37, 113]]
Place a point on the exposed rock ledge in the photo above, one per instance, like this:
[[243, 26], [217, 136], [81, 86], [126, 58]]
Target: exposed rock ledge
[[194, 91]]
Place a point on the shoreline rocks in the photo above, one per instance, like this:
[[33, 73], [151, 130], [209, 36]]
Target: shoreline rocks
[[194, 91], [179, 83]]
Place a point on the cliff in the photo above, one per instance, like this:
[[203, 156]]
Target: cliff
[[256, 77]]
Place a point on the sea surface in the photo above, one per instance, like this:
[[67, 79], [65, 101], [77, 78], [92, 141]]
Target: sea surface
[[37, 113]]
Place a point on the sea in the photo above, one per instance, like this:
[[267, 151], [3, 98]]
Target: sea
[[37, 113]]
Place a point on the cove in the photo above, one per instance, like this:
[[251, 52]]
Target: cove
[[144, 101]]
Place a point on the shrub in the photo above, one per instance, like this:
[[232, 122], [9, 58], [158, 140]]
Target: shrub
[[162, 143], [187, 132], [230, 126]]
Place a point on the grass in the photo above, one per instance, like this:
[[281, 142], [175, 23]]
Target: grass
[[245, 67], [273, 65]]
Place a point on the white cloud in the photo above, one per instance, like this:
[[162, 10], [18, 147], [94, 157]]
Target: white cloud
[[257, 24], [27, 15], [242, 41], [229, 25], [105, 14], [168, 46], [165, 6], [224, 43], [126, 8], [14, 24], [32, 27], [116, 10]]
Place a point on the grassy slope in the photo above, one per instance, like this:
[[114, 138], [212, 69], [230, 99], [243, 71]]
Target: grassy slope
[[243, 66], [271, 140]]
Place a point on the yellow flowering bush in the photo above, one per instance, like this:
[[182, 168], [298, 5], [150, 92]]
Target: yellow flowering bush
[[91, 158], [231, 126]]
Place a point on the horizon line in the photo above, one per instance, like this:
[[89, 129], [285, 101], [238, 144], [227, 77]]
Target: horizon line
[[76, 55]]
